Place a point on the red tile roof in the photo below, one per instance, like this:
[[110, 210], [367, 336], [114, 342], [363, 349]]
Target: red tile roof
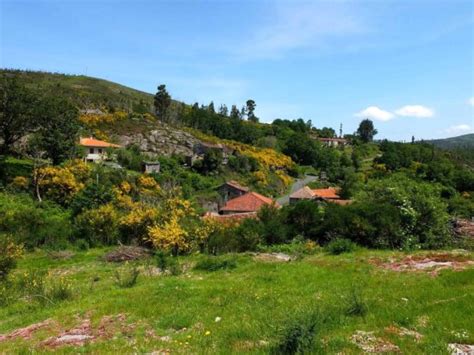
[[92, 142], [330, 193], [250, 202]]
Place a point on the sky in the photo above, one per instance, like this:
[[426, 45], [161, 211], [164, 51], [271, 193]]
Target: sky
[[408, 65]]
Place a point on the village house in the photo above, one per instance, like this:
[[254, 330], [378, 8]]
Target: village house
[[96, 150], [250, 202], [304, 193], [333, 142], [149, 167], [231, 189], [329, 194]]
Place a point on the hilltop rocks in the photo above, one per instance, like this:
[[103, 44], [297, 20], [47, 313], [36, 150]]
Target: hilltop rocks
[[163, 140]]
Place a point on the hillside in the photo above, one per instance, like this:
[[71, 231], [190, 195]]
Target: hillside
[[86, 92], [464, 141]]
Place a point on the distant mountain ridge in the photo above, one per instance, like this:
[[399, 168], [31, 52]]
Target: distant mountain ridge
[[464, 141]]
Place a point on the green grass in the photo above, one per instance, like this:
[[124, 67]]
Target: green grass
[[257, 302]]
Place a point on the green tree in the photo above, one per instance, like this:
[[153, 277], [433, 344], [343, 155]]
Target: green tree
[[349, 183], [234, 112], [59, 130], [211, 108], [162, 102], [17, 116], [366, 131], [251, 105], [223, 110]]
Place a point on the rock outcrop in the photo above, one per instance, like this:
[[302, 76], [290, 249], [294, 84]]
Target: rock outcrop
[[162, 140]]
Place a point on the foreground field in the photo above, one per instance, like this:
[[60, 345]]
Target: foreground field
[[366, 300]]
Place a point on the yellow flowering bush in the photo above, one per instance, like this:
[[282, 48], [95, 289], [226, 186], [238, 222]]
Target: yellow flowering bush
[[58, 184], [172, 231], [135, 224], [169, 236], [268, 159], [9, 253], [20, 183], [99, 225], [94, 119]]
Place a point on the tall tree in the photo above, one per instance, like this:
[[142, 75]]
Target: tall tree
[[366, 131], [59, 129], [17, 116], [162, 102], [251, 105], [223, 110], [234, 112], [211, 108]]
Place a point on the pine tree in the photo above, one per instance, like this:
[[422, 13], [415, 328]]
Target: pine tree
[[162, 102]]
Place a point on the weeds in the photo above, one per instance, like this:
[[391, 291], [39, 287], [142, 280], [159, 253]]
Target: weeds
[[355, 303], [214, 263], [59, 290], [167, 263], [126, 277], [339, 246], [298, 337]]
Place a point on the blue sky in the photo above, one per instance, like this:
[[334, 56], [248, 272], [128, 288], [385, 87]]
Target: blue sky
[[408, 65]]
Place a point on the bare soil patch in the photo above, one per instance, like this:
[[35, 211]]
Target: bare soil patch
[[273, 257], [431, 263], [83, 332], [127, 253], [401, 331], [369, 343], [461, 349], [27, 332]]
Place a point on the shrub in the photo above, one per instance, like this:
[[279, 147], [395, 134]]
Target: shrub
[[339, 246], [126, 277], [214, 263], [248, 235], [34, 224], [98, 226], [9, 253], [298, 336]]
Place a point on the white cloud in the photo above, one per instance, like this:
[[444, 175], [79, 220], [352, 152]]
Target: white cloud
[[458, 129], [471, 101], [415, 111], [375, 113]]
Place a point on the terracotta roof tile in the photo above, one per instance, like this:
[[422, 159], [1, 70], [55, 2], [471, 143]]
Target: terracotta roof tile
[[330, 193], [92, 142], [250, 202]]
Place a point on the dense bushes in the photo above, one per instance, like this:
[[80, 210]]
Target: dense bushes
[[32, 223]]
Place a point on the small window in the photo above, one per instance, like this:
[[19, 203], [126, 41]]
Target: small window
[[91, 150], [100, 150]]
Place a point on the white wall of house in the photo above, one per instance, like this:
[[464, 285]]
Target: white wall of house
[[95, 154]]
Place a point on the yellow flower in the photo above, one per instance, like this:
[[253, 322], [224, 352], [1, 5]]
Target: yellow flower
[[208, 332]]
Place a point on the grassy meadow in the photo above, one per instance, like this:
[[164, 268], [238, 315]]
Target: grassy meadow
[[236, 303]]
